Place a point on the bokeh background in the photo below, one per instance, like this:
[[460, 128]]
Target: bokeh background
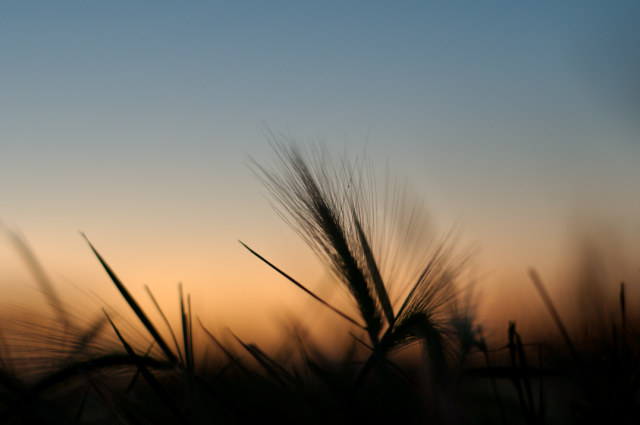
[[516, 123]]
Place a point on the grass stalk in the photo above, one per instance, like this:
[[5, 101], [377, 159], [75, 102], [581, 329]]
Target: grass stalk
[[554, 314], [591, 394], [519, 361], [135, 307], [623, 313], [299, 285], [41, 278], [173, 335], [152, 380], [186, 344]]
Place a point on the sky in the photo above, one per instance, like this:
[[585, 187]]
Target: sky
[[516, 123]]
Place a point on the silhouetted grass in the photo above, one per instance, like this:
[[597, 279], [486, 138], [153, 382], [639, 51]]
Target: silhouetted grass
[[422, 359]]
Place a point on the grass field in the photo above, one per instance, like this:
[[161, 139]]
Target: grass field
[[423, 359]]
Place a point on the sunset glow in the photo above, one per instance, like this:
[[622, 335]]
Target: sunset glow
[[515, 125]]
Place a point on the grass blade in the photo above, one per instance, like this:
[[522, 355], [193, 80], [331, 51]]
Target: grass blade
[[625, 346], [303, 288], [267, 363], [41, 278], [554, 313], [188, 352], [153, 382], [219, 344], [193, 364], [515, 352], [173, 335], [185, 331], [591, 394], [134, 306], [135, 377]]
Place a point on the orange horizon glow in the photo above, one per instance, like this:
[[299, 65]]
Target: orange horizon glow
[[254, 302]]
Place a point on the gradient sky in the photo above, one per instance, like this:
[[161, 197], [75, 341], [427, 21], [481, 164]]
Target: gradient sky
[[134, 123]]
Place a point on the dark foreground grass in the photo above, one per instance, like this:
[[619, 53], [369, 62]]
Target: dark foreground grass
[[422, 359]]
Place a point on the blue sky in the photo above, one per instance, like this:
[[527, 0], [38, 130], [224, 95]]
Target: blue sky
[[133, 123]]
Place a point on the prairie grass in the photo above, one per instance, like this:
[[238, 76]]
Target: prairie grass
[[410, 351]]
